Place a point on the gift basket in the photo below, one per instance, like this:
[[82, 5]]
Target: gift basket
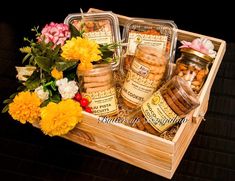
[[127, 97]]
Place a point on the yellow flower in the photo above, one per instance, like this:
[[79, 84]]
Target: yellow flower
[[25, 49], [25, 107], [81, 49], [56, 74], [59, 119]]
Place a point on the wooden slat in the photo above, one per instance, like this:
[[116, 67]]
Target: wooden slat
[[130, 133], [126, 146], [139, 162], [183, 144], [204, 93]]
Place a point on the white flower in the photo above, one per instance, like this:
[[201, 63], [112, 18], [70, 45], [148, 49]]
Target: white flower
[[43, 95], [67, 89]]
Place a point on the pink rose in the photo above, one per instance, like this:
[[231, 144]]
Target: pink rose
[[57, 33]]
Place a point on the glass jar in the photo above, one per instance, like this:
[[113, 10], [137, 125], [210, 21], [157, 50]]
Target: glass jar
[[169, 105], [193, 66], [144, 76], [98, 84]]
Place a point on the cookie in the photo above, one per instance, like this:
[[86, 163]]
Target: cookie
[[173, 106], [95, 84], [180, 98], [152, 68], [103, 78], [176, 101], [97, 89]]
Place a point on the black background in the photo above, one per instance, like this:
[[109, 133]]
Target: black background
[[27, 154]]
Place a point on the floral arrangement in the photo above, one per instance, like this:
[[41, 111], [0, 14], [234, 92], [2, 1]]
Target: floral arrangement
[[49, 92]]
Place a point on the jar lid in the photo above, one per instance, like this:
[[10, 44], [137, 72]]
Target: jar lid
[[186, 92], [197, 53]]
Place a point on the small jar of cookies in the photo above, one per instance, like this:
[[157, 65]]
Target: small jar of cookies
[[193, 66], [169, 105], [144, 76], [97, 85]]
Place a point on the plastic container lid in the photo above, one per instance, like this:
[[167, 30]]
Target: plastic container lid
[[101, 27], [160, 34]]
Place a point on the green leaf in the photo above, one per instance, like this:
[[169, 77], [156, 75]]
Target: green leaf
[[44, 63], [26, 57], [7, 101], [55, 52], [31, 60], [45, 103], [74, 31], [21, 88], [33, 81], [5, 109], [12, 96], [53, 86], [55, 98], [62, 66], [71, 75]]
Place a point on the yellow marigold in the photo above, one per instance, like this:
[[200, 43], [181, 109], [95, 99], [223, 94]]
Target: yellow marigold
[[25, 107], [59, 119], [56, 74], [81, 49]]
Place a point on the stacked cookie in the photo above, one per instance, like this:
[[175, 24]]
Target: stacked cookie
[[97, 80], [145, 75], [153, 60]]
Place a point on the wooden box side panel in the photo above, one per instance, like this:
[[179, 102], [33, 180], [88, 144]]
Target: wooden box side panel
[[126, 146], [119, 155], [129, 133]]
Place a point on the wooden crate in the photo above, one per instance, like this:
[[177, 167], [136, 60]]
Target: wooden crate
[[139, 148]]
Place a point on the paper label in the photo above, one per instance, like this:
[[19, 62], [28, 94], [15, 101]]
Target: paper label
[[137, 89], [139, 68], [103, 102], [100, 37], [157, 41], [158, 113]]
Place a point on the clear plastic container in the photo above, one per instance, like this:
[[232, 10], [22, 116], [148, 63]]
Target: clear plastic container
[[169, 105], [98, 85], [144, 76], [160, 34], [101, 27], [193, 66]]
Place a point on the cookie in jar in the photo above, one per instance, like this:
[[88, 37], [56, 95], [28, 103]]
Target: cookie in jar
[[194, 62], [145, 75], [166, 107], [98, 85]]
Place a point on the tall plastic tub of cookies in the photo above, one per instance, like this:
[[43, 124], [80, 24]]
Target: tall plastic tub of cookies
[[150, 152]]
